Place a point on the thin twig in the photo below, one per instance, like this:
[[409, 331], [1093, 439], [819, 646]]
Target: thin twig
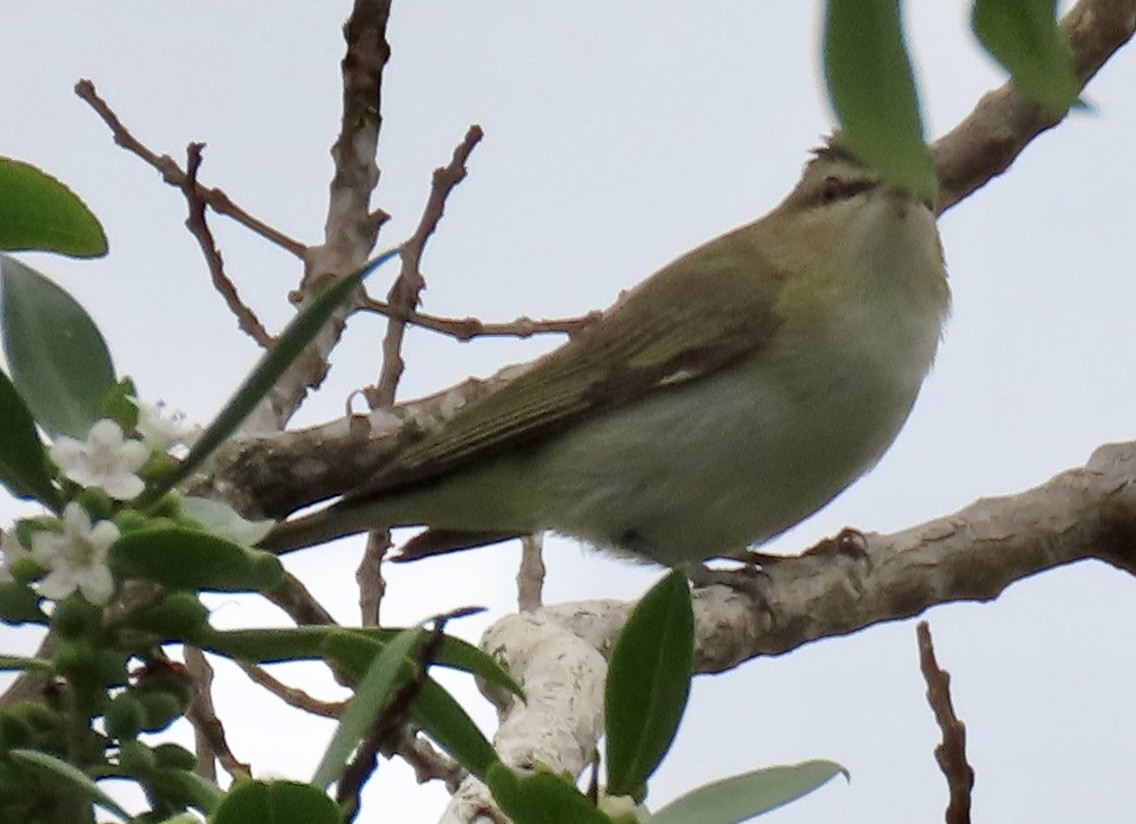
[[466, 329], [429, 763], [403, 295], [202, 676], [247, 320], [369, 576], [172, 173], [951, 754], [295, 599], [530, 574], [208, 730], [290, 695]]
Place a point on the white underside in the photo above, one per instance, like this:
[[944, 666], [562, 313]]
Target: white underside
[[727, 461]]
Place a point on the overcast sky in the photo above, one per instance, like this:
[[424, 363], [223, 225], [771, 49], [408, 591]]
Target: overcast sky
[[619, 134]]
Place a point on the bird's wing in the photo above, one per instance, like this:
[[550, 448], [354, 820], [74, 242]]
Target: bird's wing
[[661, 333]]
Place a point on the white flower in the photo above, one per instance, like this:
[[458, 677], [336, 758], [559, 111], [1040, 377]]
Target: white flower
[[76, 557], [11, 553], [104, 460], [162, 428]]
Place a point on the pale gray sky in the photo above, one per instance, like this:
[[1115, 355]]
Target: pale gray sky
[[619, 134]]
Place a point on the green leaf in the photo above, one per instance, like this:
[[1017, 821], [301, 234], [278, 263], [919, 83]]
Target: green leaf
[[648, 681], [190, 559], [21, 664], [741, 797], [266, 646], [59, 360], [179, 787], [298, 334], [19, 605], [542, 798], [440, 716], [1023, 36], [118, 406], [872, 90], [386, 672], [433, 710], [276, 802], [39, 212], [53, 770], [23, 460], [178, 616]]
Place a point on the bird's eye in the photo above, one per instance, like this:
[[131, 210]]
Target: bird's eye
[[834, 188]]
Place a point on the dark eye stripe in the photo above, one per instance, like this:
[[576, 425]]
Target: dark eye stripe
[[834, 188]]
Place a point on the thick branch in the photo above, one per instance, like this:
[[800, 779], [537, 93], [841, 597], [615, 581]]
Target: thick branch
[[352, 227], [557, 652], [1004, 122]]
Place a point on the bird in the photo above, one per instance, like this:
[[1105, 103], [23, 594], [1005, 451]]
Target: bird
[[720, 402]]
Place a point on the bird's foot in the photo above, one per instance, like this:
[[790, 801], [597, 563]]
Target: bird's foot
[[848, 543]]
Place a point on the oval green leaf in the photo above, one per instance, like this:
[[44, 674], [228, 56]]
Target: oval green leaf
[[276, 802], [38, 212], [23, 460], [1023, 36], [59, 361], [541, 798], [741, 797], [648, 682], [872, 90], [190, 559], [19, 605]]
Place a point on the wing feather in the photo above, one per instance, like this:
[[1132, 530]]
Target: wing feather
[[661, 333]]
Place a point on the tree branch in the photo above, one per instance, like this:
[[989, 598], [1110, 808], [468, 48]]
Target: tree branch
[[403, 296], [198, 226], [1004, 122], [972, 555], [174, 175], [951, 753], [351, 228]]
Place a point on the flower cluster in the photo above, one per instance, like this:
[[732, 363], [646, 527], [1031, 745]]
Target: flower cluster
[[70, 554]]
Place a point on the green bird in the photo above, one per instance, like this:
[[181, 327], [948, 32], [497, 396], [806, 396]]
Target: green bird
[[721, 401]]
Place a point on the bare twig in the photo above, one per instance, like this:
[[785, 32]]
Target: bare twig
[[429, 763], [290, 695], [202, 676], [295, 599], [172, 174], [466, 329], [403, 295], [369, 577], [247, 320], [208, 730], [951, 753], [530, 574]]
